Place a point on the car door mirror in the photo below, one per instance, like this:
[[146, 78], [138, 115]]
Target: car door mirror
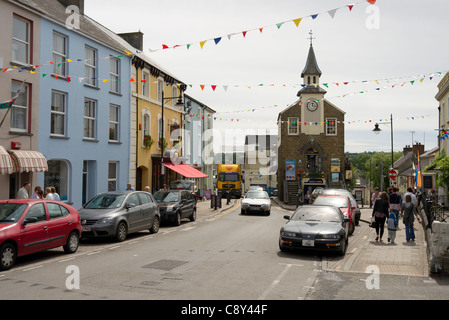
[[29, 220], [346, 220], [130, 205], [287, 217]]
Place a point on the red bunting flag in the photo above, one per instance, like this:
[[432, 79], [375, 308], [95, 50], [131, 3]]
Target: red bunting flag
[[244, 33], [202, 86], [350, 6], [372, 1], [164, 46], [214, 87]]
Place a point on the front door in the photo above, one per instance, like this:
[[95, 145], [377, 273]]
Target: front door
[[34, 235]]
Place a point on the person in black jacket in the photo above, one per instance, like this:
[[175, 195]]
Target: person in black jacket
[[381, 211]]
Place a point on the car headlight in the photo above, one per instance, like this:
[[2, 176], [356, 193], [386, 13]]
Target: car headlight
[[245, 205], [106, 220], [329, 236], [170, 208], [289, 234], [264, 205]]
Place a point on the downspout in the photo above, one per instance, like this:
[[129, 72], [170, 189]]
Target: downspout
[[137, 120]]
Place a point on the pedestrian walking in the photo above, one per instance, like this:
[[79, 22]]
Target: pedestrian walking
[[307, 197], [381, 211], [395, 202], [409, 211], [410, 193], [392, 226], [23, 192], [375, 196], [35, 194]]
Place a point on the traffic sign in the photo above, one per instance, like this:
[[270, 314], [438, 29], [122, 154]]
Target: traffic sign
[[393, 174]]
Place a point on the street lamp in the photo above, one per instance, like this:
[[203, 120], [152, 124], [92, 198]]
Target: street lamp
[[377, 130], [179, 103]]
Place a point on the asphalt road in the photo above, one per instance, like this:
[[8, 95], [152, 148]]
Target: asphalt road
[[224, 256], [220, 257]]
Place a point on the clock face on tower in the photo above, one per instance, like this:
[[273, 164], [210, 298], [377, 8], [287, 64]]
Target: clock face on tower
[[312, 105]]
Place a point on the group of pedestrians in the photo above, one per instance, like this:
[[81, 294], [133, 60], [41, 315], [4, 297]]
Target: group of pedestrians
[[48, 194], [390, 208]]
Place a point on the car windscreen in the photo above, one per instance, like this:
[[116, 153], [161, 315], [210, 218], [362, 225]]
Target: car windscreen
[[11, 212], [257, 195], [320, 214], [338, 202], [166, 196], [107, 201]]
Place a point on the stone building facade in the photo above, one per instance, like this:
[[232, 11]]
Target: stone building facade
[[311, 137]]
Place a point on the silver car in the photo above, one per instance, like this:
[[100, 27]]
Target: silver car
[[117, 214], [256, 201]]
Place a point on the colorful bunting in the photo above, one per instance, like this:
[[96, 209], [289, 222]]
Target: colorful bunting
[[278, 25]]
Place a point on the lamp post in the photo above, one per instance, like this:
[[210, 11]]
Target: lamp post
[[179, 103], [377, 130]]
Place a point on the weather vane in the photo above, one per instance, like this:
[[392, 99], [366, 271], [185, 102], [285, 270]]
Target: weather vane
[[311, 37]]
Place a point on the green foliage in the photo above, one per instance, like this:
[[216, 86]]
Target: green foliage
[[366, 163], [441, 167]]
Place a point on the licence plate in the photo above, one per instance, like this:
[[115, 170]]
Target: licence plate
[[308, 243], [86, 229]]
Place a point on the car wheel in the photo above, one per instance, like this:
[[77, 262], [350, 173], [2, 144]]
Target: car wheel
[[122, 231], [156, 224], [193, 216], [8, 255], [178, 219], [344, 247], [72, 243], [351, 228]]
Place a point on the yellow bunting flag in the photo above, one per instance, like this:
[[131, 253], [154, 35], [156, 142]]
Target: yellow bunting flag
[[297, 21], [202, 44]]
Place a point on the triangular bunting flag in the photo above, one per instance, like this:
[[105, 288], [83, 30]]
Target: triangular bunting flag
[[202, 86], [217, 40], [332, 12], [244, 33], [260, 29], [202, 43], [213, 87], [164, 46], [314, 16], [297, 21], [350, 6], [279, 25], [225, 88]]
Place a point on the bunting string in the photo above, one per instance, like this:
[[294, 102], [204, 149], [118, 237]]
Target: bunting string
[[297, 21]]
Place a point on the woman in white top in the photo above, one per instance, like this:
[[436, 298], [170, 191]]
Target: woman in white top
[[48, 194], [55, 194]]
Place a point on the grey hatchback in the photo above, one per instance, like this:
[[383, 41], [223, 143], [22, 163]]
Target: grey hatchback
[[116, 214]]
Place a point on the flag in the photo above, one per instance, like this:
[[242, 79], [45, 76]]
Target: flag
[[419, 178], [8, 104]]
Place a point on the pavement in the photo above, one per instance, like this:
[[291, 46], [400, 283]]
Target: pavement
[[364, 254]]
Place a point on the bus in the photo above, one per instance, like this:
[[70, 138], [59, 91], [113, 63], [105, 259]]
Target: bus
[[229, 180]]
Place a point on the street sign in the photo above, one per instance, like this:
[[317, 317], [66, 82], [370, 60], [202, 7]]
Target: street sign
[[393, 174]]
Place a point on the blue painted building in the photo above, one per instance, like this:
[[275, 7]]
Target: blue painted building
[[84, 107]]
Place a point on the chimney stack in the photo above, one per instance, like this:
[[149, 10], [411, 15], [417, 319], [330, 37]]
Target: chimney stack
[[418, 148], [78, 3], [133, 38], [407, 149]]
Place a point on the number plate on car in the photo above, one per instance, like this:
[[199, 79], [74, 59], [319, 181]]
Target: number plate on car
[[86, 229], [308, 243]]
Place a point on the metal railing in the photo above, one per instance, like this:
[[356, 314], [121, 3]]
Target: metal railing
[[436, 210]]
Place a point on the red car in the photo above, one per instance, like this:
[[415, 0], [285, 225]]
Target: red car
[[28, 226], [339, 201]]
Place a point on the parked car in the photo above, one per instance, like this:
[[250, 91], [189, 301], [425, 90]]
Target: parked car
[[255, 188], [29, 226], [274, 193], [256, 201], [339, 201], [175, 205], [315, 228], [351, 198], [117, 214], [183, 185]]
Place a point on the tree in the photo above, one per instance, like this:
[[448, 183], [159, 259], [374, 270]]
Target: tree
[[441, 167]]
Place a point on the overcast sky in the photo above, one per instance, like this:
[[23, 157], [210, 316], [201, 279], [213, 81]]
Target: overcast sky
[[397, 40]]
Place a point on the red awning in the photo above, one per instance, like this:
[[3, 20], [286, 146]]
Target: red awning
[[186, 170]]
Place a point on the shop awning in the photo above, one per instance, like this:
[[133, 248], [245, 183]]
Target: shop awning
[[6, 164], [28, 161], [186, 170]]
